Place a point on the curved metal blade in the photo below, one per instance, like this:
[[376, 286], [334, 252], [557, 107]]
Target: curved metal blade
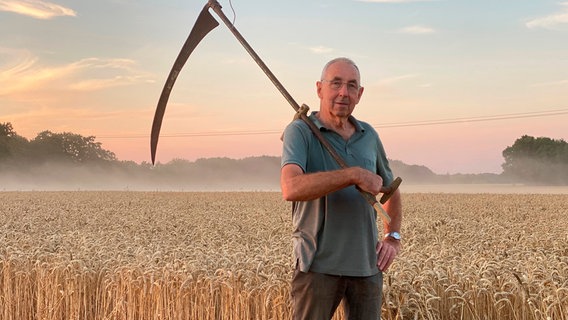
[[204, 23]]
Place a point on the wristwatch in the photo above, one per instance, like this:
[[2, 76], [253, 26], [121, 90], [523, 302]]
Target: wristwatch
[[395, 235]]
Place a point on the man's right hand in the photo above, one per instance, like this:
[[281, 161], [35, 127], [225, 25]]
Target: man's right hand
[[299, 186], [367, 181]]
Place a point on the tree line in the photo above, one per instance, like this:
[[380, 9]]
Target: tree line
[[48, 146], [537, 160], [530, 160]]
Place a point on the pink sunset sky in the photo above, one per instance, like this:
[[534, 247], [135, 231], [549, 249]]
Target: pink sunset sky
[[447, 85]]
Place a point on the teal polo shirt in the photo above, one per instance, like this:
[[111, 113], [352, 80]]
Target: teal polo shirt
[[335, 234]]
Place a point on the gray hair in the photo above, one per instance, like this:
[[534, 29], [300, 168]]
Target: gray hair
[[340, 59]]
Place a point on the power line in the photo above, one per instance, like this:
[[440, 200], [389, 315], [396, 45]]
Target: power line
[[197, 134], [508, 116], [474, 119]]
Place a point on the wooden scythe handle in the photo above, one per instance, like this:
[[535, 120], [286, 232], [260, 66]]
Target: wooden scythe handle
[[302, 112]]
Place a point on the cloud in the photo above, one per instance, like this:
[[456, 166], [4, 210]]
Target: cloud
[[14, 73], [321, 49], [396, 79], [96, 74], [552, 83], [393, 1], [23, 74], [36, 8], [417, 30], [551, 21]]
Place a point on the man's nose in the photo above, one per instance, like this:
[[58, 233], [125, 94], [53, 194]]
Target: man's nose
[[344, 90]]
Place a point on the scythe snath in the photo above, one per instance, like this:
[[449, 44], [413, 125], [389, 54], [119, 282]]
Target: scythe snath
[[203, 25]]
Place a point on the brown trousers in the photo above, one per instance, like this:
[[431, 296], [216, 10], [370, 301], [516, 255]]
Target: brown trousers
[[316, 296]]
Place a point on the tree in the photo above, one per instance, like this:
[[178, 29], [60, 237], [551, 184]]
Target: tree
[[538, 160], [69, 147], [12, 145]]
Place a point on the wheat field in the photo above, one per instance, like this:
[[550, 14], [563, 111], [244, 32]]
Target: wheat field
[[181, 255]]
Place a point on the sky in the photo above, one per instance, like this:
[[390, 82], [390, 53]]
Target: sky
[[449, 84]]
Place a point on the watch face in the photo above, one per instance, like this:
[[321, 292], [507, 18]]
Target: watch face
[[395, 235]]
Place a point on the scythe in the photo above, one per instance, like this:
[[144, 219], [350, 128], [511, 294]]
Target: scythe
[[203, 25]]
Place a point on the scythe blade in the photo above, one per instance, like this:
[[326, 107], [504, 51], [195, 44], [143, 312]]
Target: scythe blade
[[204, 23]]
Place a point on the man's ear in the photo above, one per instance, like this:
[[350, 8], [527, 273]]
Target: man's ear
[[318, 88], [361, 89]]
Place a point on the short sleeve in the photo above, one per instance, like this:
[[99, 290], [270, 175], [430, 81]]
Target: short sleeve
[[295, 144]]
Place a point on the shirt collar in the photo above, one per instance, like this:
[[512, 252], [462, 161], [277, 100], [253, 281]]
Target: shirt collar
[[320, 126]]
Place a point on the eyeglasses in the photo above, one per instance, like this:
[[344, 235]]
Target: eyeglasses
[[352, 87]]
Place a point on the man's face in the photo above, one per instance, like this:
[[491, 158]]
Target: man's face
[[339, 91]]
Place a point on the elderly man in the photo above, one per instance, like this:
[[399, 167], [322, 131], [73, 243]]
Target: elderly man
[[336, 247]]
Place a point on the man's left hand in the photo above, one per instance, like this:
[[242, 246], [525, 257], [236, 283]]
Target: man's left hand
[[387, 250]]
